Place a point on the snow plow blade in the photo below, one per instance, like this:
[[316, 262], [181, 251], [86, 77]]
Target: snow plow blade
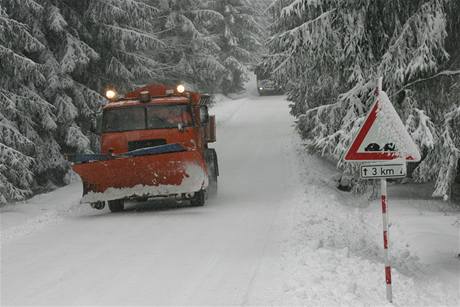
[[150, 172]]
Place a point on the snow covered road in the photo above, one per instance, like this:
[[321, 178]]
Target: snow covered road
[[278, 233], [155, 253]]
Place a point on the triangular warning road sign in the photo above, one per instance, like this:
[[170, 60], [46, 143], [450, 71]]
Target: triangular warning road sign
[[383, 136]]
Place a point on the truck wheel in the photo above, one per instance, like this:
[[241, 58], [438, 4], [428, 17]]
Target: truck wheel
[[99, 205], [116, 205], [198, 199]]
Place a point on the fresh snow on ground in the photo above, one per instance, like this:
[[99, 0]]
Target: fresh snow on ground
[[279, 232]]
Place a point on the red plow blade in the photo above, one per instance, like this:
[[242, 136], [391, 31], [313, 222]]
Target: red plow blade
[[143, 176]]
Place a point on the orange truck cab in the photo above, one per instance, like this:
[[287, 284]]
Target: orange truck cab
[[154, 143]]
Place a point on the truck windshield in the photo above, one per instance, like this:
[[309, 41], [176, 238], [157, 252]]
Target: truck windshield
[[149, 117], [168, 116], [123, 119]]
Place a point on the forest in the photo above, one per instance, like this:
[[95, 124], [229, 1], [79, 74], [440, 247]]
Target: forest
[[330, 53], [58, 56]]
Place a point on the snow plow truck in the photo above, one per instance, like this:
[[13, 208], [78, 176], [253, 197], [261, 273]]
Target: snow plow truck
[[154, 143]]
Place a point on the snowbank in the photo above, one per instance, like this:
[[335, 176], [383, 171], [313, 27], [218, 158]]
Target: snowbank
[[24, 218], [335, 256]]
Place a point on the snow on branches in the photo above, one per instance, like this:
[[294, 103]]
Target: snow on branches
[[328, 53], [416, 47], [211, 42], [40, 54], [56, 56]]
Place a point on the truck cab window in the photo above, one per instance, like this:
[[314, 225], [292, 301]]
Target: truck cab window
[[168, 116], [123, 120]]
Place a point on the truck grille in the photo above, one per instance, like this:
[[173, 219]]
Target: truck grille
[[133, 145]]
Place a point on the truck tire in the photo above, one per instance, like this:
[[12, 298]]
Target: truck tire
[[116, 205], [198, 199], [99, 205]]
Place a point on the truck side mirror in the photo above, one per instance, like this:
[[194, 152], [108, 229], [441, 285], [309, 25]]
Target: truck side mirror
[[96, 125], [204, 115], [211, 133]]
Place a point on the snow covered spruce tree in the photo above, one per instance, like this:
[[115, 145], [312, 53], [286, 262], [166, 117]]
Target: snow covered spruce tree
[[56, 56], [332, 52], [107, 43], [67, 58], [191, 51], [209, 42], [238, 35], [27, 120], [124, 35]]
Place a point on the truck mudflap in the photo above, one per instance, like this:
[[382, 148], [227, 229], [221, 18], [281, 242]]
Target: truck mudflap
[[150, 175]]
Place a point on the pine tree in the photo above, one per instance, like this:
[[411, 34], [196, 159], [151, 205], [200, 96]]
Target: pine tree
[[123, 32], [332, 51], [191, 50], [237, 34], [209, 42], [56, 56], [66, 58], [99, 43], [26, 119]]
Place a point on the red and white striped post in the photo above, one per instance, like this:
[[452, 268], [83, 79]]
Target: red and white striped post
[[386, 238]]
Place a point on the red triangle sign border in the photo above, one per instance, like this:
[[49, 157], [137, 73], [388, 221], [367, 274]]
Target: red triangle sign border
[[353, 154]]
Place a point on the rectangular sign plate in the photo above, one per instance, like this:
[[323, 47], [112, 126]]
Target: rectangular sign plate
[[375, 171]]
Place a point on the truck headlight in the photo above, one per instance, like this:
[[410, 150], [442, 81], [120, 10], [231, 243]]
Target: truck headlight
[[180, 88], [111, 94]]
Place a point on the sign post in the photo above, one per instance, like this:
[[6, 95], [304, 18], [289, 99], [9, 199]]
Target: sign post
[[383, 138], [386, 239]]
